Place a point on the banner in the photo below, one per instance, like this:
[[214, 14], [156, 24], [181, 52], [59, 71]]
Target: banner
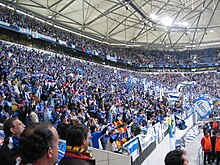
[[111, 58], [48, 38], [202, 107], [146, 140], [25, 31], [133, 148], [62, 42], [4, 23], [35, 34]]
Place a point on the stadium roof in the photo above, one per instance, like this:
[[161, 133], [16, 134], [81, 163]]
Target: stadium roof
[[155, 24]]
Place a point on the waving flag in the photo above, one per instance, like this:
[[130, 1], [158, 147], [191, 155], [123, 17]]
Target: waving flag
[[181, 85], [202, 107], [173, 97]]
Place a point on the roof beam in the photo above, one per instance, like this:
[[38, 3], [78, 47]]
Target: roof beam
[[119, 23], [164, 33], [192, 22], [213, 13], [54, 4], [54, 12], [123, 29], [195, 32], [134, 38], [111, 9], [63, 8]]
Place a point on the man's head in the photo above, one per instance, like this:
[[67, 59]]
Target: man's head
[[77, 135], [39, 143], [93, 128], [206, 134], [13, 127], [176, 157]]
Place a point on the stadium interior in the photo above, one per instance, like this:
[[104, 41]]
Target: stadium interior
[[145, 73]]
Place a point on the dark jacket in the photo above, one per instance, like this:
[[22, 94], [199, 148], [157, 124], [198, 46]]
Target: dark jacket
[[7, 155], [77, 156], [75, 161]]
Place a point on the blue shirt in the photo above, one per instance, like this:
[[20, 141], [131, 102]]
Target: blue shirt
[[95, 139]]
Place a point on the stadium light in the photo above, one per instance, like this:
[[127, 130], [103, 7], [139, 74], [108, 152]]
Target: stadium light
[[167, 21], [185, 24], [153, 17]]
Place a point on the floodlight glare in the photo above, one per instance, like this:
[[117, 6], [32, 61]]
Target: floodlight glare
[[153, 17], [185, 24], [167, 21]]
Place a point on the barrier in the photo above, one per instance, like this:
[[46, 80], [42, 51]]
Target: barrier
[[156, 157], [104, 157], [200, 156], [144, 148]]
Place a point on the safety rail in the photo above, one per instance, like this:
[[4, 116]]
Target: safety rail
[[200, 156]]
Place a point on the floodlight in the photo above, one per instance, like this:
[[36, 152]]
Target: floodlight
[[185, 24], [153, 17], [167, 21]]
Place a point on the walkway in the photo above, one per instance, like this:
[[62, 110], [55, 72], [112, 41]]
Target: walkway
[[192, 149]]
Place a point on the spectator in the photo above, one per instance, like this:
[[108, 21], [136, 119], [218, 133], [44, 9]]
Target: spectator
[[206, 147], [176, 157], [77, 140], [111, 142], [38, 145], [13, 128], [217, 148], [96, 135], [213, 141], [135, 129]]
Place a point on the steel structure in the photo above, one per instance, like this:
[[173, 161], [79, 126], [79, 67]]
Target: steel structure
[[138, 23]]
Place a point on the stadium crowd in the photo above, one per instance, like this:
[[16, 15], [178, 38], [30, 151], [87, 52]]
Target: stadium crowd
[[110, 101], [114, 104], [136, 56]]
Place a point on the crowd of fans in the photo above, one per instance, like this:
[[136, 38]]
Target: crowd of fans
[[115, 104], [137, 56]]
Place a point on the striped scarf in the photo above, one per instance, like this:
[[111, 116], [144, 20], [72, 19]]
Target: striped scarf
[[77, 152]]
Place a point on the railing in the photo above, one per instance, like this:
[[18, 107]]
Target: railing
[[200, 156]]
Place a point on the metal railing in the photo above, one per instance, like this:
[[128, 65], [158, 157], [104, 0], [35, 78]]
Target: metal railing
[[200, 156]]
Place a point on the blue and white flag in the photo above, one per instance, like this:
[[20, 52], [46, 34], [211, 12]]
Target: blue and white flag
[[133, 147], [202, 107], [173, 97], [181, 85]]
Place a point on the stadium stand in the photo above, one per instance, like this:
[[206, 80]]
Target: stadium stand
[[64, 90]]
